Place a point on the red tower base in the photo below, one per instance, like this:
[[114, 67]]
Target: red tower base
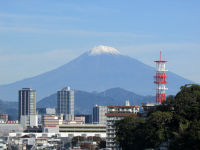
[[160, 98]]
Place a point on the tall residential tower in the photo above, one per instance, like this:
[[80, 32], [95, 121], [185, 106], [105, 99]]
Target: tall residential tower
[[65, 103], [27, 107]]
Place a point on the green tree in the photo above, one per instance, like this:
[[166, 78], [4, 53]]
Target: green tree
[[124, 132], [176, 120], [77, 139], [94, 138], [102, 144], [187, 140]]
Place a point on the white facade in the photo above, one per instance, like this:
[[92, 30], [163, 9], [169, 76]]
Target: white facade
[[116, 113], [51, 111], [7, 128], [54, 129], [70, 131], [29, 120], [83, 130]]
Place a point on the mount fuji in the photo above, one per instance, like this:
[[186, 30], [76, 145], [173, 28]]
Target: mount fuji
[[101, 68]]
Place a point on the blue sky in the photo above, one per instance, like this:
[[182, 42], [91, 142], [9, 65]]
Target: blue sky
[[39, 35]]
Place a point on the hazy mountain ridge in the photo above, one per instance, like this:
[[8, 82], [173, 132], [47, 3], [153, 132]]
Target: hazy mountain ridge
[[11, 108], [84, 101]]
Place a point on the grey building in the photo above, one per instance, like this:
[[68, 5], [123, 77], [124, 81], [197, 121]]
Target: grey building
[[27, 107], [65, 103], [99, 114], [48, 111]]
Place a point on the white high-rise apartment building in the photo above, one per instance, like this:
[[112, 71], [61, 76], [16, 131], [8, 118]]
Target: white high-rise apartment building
[[65, 103], [99, 116]]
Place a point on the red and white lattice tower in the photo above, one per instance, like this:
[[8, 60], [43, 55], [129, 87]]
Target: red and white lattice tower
[[160, 80]]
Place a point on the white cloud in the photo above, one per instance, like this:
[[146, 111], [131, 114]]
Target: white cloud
[[81, 33]]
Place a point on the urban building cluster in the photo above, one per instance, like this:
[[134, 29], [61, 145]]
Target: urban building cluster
[[51, 127], [39, 128], [59, 128]]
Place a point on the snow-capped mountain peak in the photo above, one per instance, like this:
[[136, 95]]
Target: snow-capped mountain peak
[[101, 49]]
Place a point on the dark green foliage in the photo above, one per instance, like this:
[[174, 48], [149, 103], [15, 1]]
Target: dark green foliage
[[187, 139], [159, 122], [102, 144], [124, 131], [77, 139], [176, 122], [94, 138]]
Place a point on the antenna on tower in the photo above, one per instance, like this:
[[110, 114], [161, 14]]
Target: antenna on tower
[[160, 55]]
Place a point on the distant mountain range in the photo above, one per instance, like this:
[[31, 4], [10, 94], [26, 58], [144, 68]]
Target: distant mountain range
[[11, 108], [84, 101], [99, 69]]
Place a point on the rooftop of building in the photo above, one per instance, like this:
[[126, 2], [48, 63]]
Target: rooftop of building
[[119, 114], [148, 104], [122, 106], [82, 125]]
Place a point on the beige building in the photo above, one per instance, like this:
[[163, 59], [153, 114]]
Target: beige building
[[51, 123]]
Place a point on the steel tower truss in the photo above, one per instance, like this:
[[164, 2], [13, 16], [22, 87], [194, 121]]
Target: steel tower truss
[[160, 80]]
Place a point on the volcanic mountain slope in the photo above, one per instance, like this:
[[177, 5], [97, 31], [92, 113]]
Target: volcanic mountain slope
[[101, 68]]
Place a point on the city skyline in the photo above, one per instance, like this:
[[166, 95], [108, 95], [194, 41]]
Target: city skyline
[[38, 36]]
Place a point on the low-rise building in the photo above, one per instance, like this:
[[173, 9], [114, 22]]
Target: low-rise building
[[88, 118], [44, 111], [3, 117], [2, 144], [29, 120], [8, 128], [146, 108], [80, 119], [77, 120], [51, 123], [83, 130]]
